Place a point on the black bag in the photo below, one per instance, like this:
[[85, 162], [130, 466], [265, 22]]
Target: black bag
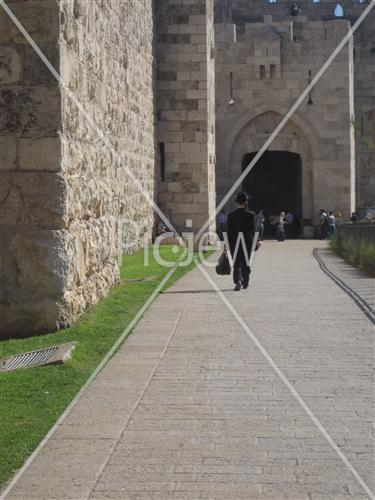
[[223, 266]]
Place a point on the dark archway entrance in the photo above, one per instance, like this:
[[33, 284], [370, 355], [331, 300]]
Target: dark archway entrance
[[275, 183]]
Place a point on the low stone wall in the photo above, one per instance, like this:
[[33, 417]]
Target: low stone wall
[[356, 244], [358, 232]]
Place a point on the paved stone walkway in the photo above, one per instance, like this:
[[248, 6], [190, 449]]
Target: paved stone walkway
[[190, 409]]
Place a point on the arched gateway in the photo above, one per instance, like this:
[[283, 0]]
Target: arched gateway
[[283, 177]]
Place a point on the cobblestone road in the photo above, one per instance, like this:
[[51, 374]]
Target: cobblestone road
[[190, 408]]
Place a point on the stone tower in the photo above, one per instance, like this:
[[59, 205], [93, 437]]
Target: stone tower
[[186, 110]]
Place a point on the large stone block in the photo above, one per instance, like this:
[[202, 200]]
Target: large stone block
[[8, 152], [39, 18], [33, 198], [34, 70], [49, 277], [40, 154], [44, 261], [25, 319], [29, 110], [10, 65]]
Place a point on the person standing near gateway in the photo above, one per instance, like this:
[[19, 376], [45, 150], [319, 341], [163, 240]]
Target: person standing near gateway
[[241, 229], [259, 223], [280, 231], [331, 223]]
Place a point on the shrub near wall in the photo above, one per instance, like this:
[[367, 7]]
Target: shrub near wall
[[356, 244]]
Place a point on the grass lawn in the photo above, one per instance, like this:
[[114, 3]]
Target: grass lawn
[[33, 399]]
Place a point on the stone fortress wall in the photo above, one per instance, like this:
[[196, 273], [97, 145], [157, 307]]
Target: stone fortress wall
[[106, 59], [63, 192], [309, 52]]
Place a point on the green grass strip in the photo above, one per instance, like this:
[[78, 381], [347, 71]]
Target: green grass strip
[[33, 399]]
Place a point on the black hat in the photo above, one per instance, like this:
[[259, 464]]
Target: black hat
[[242, 198]]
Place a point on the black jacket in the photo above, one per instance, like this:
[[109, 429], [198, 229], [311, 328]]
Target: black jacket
[[240, 221]]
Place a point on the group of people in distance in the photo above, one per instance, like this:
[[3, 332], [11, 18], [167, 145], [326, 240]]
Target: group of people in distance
[[280, 226], [327, 224]]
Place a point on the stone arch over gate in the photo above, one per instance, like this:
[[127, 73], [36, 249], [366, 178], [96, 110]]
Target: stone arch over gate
[[296, 137]]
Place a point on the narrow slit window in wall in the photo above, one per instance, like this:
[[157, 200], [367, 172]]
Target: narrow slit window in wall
[[162, 160], [262, 72], [273, 71], [231, 99]]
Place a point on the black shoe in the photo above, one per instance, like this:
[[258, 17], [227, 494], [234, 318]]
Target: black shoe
[[245, 286], [237, 288]]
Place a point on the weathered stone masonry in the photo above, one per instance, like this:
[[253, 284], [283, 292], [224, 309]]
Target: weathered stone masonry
[[320, 134], [62, 190], [186, 110]]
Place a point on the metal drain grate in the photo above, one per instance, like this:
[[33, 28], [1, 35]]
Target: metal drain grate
[[50, 355]]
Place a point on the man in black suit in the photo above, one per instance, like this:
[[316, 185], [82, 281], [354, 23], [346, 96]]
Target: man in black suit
[[241, 229]]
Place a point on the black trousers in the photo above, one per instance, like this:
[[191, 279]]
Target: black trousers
[[241, 270]]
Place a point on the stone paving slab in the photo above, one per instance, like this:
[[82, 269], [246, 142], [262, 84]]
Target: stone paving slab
[[190, 409]]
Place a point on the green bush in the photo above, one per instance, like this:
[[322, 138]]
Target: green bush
[[335, 243], [351, 252]]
